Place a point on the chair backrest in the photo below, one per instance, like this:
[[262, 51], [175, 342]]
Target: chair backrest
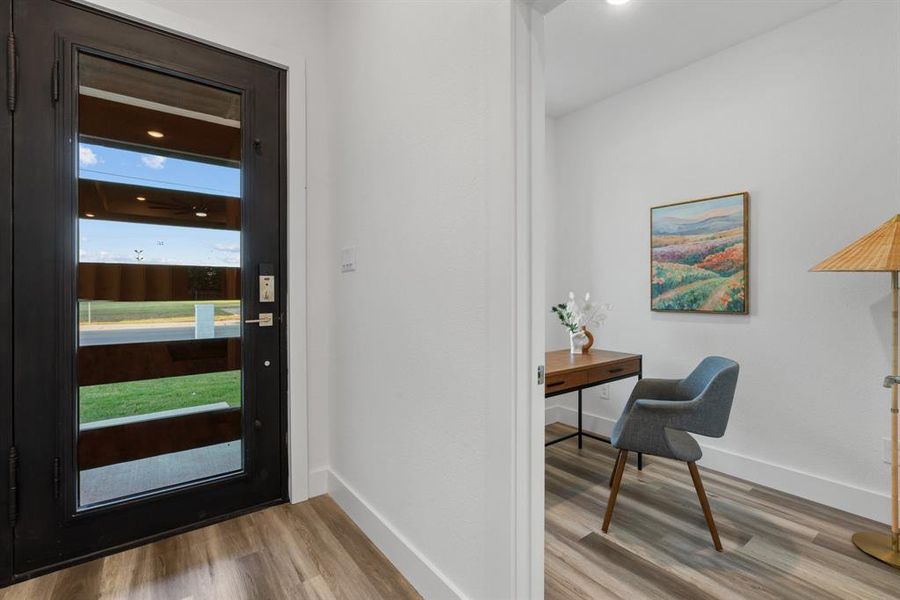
[[712, 384]]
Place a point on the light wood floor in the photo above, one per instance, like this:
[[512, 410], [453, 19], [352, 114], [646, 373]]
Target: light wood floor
[[776, 546], [300, 551]]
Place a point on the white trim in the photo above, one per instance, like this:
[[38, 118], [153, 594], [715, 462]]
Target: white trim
[[421, 573], [150, 105], [297, 293], [843, 496], [318, 483], [528, 102]]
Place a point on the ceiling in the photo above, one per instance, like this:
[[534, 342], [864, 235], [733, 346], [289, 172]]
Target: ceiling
[[595, 50]]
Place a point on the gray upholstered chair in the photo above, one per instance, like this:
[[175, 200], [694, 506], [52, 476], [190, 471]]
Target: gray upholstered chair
[[659, 416]]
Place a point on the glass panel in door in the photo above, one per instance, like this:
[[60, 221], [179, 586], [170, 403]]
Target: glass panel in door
[[158, 282]]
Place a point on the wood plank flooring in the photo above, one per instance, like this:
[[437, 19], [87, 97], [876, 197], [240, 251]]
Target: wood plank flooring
[[310, 550], [776, 546]]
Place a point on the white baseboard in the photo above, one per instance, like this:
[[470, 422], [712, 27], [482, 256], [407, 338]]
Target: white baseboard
[[866, 503], [552, 415], [318, 482], [418, 570]]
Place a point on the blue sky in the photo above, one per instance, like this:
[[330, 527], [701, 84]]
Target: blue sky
[[112, 241], [726, 205]]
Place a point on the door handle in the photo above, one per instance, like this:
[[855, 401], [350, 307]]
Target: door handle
[[264, 320]]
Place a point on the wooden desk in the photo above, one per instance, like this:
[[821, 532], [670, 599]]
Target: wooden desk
[[567, 373]]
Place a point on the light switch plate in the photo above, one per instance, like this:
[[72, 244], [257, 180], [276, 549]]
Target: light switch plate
[[886, 452], [348, 259]]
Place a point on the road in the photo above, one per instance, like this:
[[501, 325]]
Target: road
[[98, 337]]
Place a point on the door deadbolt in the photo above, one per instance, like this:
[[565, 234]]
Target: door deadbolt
[[267, 288]]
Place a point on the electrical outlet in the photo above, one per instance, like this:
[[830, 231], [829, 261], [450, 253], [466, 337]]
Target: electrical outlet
[[348, 259], [604, 392], [886, 443]]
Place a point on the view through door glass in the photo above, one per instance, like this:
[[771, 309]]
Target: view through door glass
[[158, 281]]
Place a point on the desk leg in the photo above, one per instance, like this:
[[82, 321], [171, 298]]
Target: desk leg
[[640, 458], [579, 419]]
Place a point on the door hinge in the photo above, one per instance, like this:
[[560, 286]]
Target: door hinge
[[13, 476], [56, 478], [54, 82], [11, 72]]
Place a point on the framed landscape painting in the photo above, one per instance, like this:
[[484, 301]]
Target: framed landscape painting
[[698, 255]]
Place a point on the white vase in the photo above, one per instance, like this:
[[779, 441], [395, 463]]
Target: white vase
[[577, 340]]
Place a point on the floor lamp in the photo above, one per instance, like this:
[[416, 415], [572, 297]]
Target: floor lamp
[[879, 251]]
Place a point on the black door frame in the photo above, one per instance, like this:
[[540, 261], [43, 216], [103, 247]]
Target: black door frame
[[181, 55], [5, 297]]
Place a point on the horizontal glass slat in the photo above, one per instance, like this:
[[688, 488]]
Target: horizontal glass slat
[[135, 85], [153, 206], [138, 282], [115, 363], [138, 243], [103, 446], [117, 122], [152, 169], [104, 322]]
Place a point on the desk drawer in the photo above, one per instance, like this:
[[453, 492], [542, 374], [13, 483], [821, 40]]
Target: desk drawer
[[565, 381], [628, 367]]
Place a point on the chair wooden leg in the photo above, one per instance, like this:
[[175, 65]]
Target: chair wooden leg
[[616, 484], [612, 474], [698, 485]]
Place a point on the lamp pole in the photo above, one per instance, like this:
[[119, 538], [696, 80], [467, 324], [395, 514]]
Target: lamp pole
[[887, 548], [895, 530]]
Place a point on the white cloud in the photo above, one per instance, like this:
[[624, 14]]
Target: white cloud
[[103, 256], [153, 162], [230, 254], [86, 157]]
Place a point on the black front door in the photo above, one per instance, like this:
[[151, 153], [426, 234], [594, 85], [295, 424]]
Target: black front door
[[146, 292]]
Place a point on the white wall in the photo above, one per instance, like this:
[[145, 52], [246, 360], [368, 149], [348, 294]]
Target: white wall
[[555, 335], [422, 369], [291, 34], [805, 118]]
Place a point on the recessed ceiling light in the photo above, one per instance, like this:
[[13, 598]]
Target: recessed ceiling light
[[200, 213], [155, 134], [140, 198], [89, 215], [617, 2]]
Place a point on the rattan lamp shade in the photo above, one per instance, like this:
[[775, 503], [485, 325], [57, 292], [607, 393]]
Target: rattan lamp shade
[[878, 250]]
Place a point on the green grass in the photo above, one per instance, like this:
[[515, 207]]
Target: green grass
[[669, 276], [111, 400], [693, 297], [102, 311]]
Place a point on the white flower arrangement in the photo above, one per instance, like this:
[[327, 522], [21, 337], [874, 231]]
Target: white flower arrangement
[[575, 316]]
